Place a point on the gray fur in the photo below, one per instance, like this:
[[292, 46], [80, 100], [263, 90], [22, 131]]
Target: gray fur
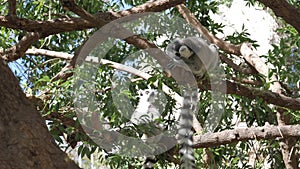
[[197, 55]]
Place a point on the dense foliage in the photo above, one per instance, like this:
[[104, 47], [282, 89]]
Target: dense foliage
[[56, 104]]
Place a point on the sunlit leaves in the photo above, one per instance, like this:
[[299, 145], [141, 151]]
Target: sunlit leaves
[[240, 37]]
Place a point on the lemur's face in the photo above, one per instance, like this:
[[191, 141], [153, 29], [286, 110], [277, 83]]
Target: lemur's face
[[148, 95], [185, 52]]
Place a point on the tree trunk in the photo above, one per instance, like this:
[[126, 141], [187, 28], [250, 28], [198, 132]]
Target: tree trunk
[[25, 142]]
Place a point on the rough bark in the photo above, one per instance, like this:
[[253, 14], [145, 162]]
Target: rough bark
[[267, 132], [25, 141], [287, 146]]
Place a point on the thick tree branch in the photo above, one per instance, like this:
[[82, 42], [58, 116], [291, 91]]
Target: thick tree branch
[[151, 6], [60, 25], [287, 145], [242, 134], [283, 9], [252, 93], [12, 7], [55, 26], [20, 48], [24, 134]]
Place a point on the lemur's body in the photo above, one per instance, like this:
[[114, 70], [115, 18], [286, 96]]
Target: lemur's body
[[196, 55], [145, 113], [200, 57]]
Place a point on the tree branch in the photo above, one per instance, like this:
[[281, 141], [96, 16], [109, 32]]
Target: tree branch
[[191, 19], [244, 134], [17, 51], [236, 67], [151, 6], [252, 93], [12, 7], [60, 25], [254, 60], [24, 134], [61, 55], [72, 6]]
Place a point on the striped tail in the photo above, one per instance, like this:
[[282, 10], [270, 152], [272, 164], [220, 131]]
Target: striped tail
[[185, 132]]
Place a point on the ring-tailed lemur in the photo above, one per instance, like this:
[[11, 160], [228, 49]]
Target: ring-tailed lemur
[[193, 52], [145, 113], [200, 57]]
